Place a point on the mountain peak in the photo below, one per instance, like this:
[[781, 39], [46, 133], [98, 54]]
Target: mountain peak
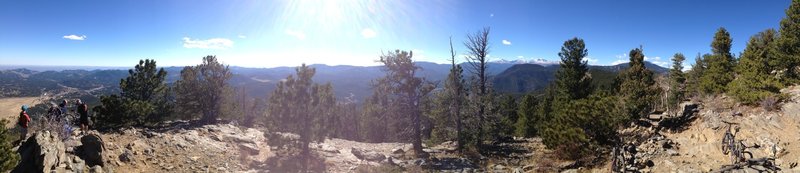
[[539, 61]]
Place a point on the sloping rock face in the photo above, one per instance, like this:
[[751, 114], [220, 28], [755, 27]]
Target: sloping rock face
[[41, 152]]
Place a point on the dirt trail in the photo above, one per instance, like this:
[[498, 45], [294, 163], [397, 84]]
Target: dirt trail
[[699, 145]]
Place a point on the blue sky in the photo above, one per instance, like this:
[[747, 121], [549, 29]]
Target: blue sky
[[356, 32]]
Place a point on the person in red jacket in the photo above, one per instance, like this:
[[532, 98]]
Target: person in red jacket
[[23, 121]]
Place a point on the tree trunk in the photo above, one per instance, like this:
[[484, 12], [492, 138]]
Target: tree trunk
[[481, 106], [417, 139], [459, 139], [305, 150]]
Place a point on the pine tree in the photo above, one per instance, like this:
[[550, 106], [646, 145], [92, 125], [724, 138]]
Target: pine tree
[[719, 65], [693, 76], [347, 119], [677, 79], [144, 99], [570, 117], [572, 83], [572, 79], [527, 117], [787, 46], [453, 98], [637, 88], [8, 157], [296, 106], [508, 116], [754, 82], [376, 115], [407, 92], [583, 125], [201, 90]]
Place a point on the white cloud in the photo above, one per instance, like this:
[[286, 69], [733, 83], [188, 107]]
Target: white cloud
[[297, 34], [506, 42], [657, 61], [591, 61], [420, 55], [491, 15], [368, 33], [622, 56], [619, 61], [214, 43], [242, 36], [75, 37]]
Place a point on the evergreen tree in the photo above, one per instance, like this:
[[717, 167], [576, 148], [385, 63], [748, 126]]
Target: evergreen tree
[[787, 46], [572, 83], [693, 76], [202, 90], [376, 115], [407, 92], [8, 157], [508, 116], [346, 115], [570, 118], [452, 100], [677, 79], [234, 105], [296, 106], [719, 65], [637, 88], [754, 82], [572, 79], [255, 113], [527, 117], [583, 125], [144, 99]]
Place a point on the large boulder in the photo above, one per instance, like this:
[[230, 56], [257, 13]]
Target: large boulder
[[92, 149], [367, 155], [688, 109], [42, 152]]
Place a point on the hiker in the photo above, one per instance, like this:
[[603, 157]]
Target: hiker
[[22, 122], [54, 113], [83, 111], [63, 107]]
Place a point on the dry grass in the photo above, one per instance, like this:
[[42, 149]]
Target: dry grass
[[10, 108]]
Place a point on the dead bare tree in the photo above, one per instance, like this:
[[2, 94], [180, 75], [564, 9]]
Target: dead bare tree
[[478, 46]]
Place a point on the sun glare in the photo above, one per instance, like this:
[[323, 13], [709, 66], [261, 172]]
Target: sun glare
[[329, 15]]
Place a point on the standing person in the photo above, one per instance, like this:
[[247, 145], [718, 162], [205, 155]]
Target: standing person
[[83, 111], [63, 107], [54, 112], [22, 122]]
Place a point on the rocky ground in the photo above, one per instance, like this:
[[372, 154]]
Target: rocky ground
[[691, 147], [696, 146], [228, 148]]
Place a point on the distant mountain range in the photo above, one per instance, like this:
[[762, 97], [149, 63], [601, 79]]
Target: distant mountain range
[[522, 78], [507, 77]]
